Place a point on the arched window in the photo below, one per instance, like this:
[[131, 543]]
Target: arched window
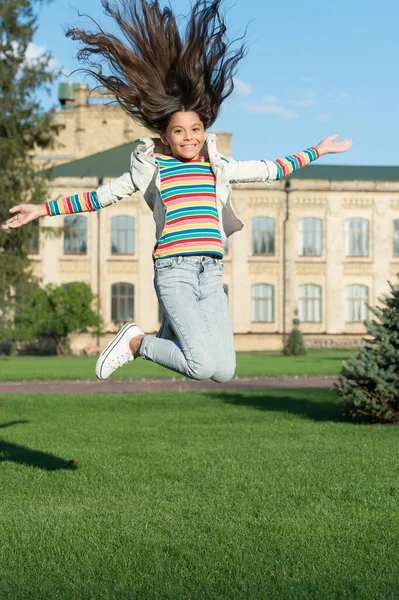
[[263, 236], [122, 235], [357, 237], [310, 303], [122, 302], [75, 234], [310, 236], [395, 238], [262, 303], [357, 297]]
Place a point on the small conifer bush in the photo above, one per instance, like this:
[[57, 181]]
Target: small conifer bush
[[369, 382], [295, 345]]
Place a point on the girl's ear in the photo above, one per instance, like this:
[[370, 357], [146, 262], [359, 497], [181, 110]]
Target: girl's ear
[[164, 140]]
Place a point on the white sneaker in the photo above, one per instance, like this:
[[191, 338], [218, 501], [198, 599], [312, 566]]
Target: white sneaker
[[118, 352]]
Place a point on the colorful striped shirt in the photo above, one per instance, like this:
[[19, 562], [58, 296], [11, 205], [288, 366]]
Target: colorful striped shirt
[[188, 190], [85, 202]]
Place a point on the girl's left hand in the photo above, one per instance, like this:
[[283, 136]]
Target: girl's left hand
[[327, 146]]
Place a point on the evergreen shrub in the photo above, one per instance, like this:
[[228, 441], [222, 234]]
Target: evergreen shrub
[[369, 382]]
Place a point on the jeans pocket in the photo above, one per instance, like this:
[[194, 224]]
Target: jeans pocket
[[163, 263]]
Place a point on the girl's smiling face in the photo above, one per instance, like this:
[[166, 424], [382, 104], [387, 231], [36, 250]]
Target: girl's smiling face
[[185, 135]]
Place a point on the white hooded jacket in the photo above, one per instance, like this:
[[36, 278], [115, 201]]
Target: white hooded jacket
[[144, 177]]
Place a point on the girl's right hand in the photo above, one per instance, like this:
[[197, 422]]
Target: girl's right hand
[[24, 213]]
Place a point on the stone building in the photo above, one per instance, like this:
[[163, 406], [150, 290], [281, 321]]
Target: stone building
[[325, 242]]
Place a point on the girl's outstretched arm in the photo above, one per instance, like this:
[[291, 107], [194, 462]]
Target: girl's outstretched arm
[[294, 162], [266, 170], [105, 195], [24, 213]]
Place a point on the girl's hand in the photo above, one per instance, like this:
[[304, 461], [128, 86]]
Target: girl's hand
[[327, 146], [24, 213]]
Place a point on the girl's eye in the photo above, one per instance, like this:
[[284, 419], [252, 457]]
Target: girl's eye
[[179, 130]]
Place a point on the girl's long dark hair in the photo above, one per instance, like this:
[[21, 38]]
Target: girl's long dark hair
[[155, 71]]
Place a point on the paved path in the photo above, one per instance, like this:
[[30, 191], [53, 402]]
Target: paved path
[[161, 385]]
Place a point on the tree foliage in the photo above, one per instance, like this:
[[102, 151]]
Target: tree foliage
[[24, 128], [295, 345], [369, 382], [57, 312]]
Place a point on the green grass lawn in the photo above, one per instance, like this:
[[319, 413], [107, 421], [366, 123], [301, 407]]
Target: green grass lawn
[[249, 364], [223, 496]]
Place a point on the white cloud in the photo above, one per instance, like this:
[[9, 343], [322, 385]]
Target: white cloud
[[324, 117], [273, 109], [305, 102], [338, 97], [241, 88], [271, 99], [34, 53], [306, 79], [308, 99]]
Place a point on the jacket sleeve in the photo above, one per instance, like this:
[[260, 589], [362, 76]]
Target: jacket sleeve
[[266, 170], [107, 194], [250, 171], [113, 191]]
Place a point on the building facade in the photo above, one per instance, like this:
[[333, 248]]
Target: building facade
[[324, 243]]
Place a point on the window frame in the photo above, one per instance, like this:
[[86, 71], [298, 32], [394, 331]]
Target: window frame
[[270, 236], [263, 304], [308, 304], [395, 237], [81, 234], [315, 233], [364, 237], [357, 304], [122, 297], [123, 233], [34, 239]]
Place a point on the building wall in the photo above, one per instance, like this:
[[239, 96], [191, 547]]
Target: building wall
[[332, 271]]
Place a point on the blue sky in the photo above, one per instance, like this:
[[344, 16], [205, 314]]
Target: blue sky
[[312, 69]]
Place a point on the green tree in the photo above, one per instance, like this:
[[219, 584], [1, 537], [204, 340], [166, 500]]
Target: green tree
[[295, 345], [369, 382], [24, 128], [58, 311]]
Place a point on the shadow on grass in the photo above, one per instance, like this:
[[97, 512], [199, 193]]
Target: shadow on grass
[[11, 423], [26, 456], [317, 411]]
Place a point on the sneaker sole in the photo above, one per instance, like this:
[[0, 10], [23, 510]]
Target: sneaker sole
[[104, 354]]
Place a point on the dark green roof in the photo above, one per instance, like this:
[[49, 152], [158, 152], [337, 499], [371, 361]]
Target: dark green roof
[[348, 173], [112, 163]]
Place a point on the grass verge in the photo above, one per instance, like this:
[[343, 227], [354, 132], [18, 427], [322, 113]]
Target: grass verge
[[224, 495], [249, 364]]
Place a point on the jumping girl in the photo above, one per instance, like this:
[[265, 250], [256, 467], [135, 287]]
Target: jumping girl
[[175, 86]]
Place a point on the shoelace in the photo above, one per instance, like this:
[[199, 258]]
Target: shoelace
[[121, 360]]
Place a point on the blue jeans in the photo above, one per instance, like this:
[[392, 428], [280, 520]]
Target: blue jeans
[[190, 293]]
